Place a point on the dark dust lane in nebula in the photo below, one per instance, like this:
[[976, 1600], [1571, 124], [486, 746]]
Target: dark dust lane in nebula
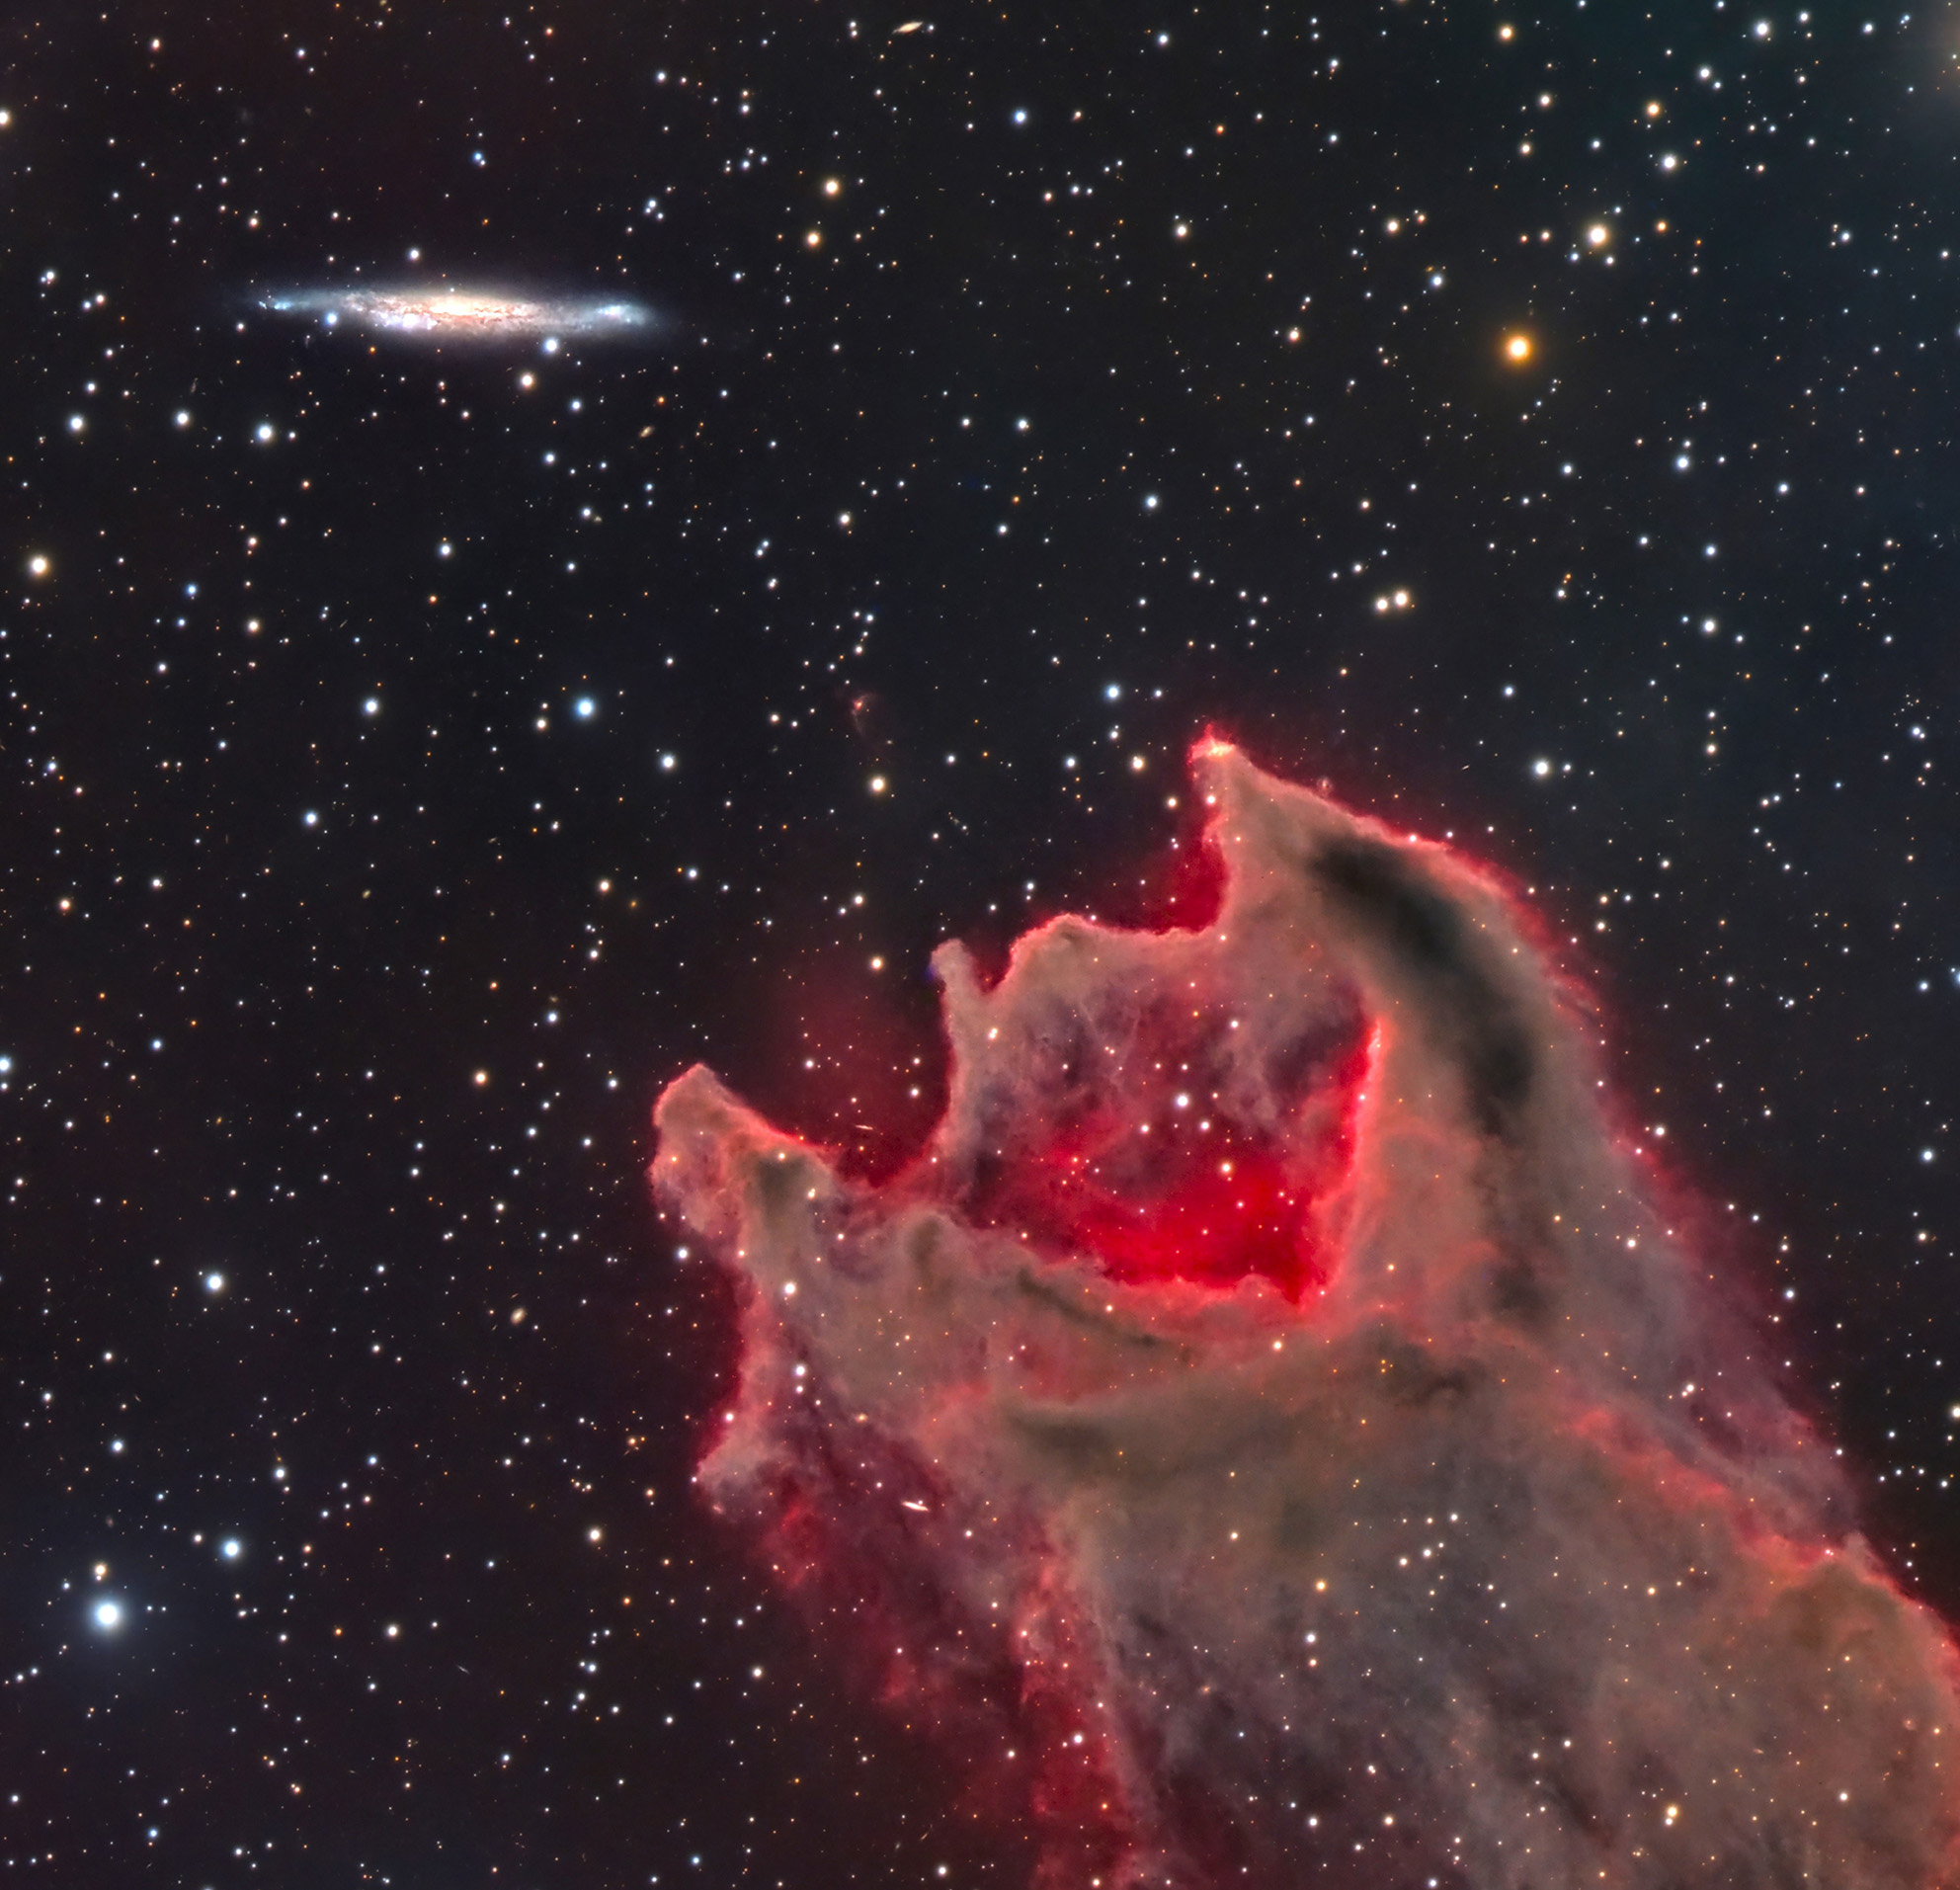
[[1281, 1425]]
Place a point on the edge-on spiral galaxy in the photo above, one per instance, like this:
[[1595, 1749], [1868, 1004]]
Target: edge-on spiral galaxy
[[1276, 1432], [464, 315]]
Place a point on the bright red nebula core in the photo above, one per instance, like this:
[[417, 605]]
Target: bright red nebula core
[[1271, 1431], [1190, 1197]]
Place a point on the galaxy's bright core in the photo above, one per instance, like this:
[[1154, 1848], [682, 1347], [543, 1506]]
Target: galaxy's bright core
[[1279, 1422]]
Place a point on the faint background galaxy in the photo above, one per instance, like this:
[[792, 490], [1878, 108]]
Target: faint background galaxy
[[1528, 428]]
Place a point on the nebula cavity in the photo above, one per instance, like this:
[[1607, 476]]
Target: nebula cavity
[[1275, 1433], [463, 314]]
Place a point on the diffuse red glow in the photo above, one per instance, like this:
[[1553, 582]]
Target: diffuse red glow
[[1268, 1431], [1186, 1196]]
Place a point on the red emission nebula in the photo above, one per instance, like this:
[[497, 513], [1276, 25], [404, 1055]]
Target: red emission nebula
[[1273, 1432]]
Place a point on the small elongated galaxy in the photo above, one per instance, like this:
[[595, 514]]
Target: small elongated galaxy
[[1279, 1429], [466, 315]]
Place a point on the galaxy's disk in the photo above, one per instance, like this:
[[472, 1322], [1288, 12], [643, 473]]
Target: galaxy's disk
[[466, 315], [1277, 1434]]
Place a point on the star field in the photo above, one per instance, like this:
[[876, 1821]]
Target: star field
[[1533, 426]]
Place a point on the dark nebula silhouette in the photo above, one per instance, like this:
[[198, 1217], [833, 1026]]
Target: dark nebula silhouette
[[1274, 1431]]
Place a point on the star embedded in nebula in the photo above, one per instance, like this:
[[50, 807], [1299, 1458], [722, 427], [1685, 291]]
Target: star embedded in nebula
[[467, 314], [1276, 1420]]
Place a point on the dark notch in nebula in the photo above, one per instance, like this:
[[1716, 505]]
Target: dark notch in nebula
[[1274, 1430]]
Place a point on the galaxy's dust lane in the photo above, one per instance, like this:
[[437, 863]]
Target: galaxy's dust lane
[[1276, 1429]]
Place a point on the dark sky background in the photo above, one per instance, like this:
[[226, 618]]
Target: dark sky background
[[396, 803]]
